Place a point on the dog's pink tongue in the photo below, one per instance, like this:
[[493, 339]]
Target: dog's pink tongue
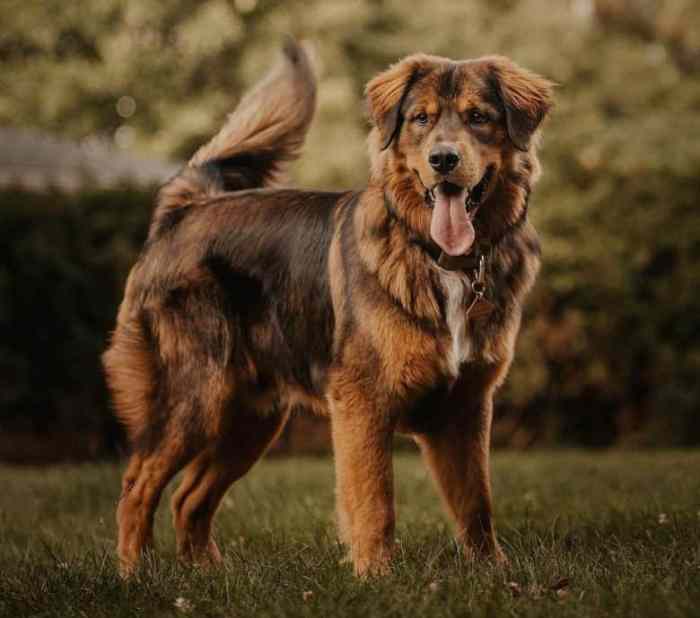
[[450, 226]]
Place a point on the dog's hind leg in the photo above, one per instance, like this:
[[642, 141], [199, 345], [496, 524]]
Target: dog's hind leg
[[144, 480], [170, 394], [210, 474], [132, 371]]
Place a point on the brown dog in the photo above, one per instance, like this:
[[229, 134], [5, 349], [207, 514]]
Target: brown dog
[[391, 309]]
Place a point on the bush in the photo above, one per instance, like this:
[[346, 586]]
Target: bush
[[63, 262]]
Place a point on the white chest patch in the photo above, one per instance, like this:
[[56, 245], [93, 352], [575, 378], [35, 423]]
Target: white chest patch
[[456, 287]]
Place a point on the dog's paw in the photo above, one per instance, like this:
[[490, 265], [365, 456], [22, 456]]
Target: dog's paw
[[374, 568], [489, 553], [499, 557], [377, 565]]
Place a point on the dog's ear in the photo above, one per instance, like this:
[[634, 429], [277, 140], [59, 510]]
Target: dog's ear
[[526, 98], [386, 96]]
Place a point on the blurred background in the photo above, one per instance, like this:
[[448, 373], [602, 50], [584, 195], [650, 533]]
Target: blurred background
[[101, 99]]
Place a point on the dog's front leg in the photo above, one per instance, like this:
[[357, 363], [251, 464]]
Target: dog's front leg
[[456, 449], [362, 442]]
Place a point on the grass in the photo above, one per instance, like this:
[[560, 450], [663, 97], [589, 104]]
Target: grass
[[587, 533]]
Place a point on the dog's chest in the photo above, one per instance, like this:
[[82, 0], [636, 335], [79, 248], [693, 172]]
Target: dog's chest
[[457, 291]]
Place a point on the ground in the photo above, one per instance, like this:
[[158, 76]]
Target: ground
[[587, 534]]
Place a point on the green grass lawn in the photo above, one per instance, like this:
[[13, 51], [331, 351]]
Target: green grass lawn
[[587, 534]]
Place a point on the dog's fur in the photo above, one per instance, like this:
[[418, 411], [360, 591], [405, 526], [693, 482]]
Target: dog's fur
[[249, 299]]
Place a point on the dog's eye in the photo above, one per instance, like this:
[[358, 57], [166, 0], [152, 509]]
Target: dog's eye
[[477, 117], [421, 118]]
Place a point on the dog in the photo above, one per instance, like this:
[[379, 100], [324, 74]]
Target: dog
[[391, 309]]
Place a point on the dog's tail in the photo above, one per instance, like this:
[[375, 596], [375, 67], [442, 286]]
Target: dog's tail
[[264, 133]]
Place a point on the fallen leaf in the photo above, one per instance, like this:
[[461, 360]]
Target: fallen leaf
[[515, 589], [183, 604]]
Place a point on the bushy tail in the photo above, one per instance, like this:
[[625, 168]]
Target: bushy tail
[[260, 137]]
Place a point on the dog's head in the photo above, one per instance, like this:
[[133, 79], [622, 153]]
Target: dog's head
[[449, 135]]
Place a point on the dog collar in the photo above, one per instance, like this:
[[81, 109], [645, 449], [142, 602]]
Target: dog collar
[[461, 262]]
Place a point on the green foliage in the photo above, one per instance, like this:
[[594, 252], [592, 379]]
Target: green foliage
[[63, 262], [587, 535], [611, 347]]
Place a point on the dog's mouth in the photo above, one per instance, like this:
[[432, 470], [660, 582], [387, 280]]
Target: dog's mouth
[[454, 208], [472, 200]]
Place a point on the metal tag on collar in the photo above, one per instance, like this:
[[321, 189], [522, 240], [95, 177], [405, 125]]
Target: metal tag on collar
[[480, 308], [479, 281]]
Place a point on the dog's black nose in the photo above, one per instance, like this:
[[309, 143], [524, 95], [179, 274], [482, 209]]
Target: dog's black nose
[[443, 159]]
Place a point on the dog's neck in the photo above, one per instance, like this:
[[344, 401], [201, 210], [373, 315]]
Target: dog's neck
[[389, 251]]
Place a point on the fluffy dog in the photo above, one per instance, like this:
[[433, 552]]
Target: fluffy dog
[[394, 308]]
